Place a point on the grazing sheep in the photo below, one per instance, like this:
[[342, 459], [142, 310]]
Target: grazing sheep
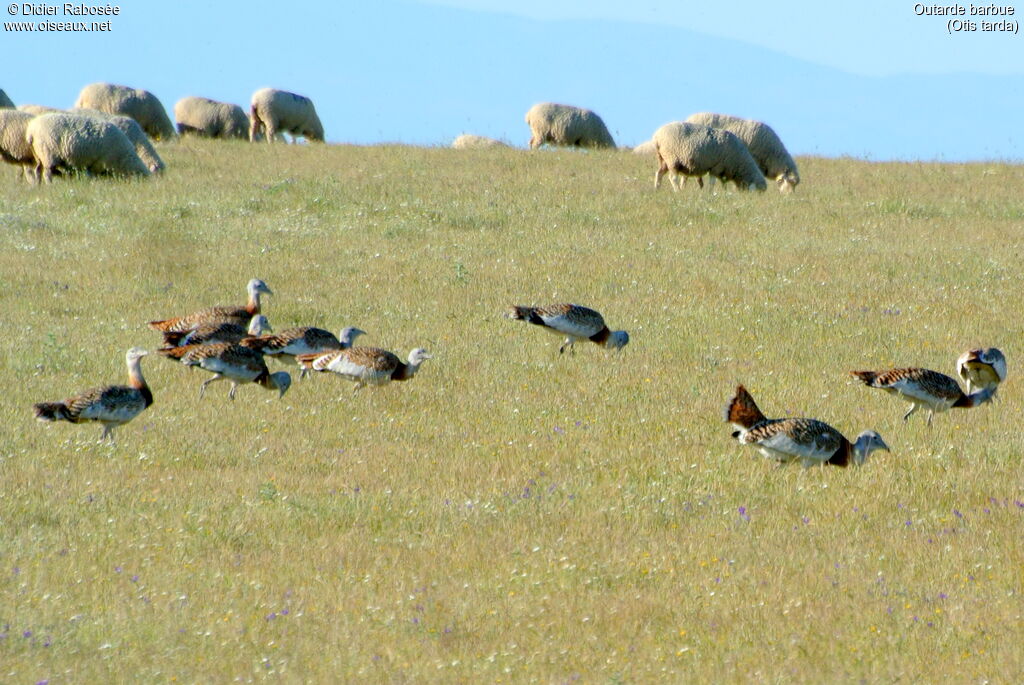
[[566, 125], [36, 110], [5, 102], [140, 105], [14, 149], [274, 112], [143, 148], [210, 119], [646, 148], [468, 141], [63, 141], [692, 150], [764, 144]]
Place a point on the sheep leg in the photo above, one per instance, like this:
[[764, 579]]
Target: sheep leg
[[662, 170]]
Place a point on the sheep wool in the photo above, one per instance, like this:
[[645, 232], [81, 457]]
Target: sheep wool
[[692, 150], [566, 125], [645, 148], [14, 149], [273, 112], [36, 110], [5, 102], [65, 141], [143, 147], [210, 119], [765, 146], [140, 105], [468, 141]]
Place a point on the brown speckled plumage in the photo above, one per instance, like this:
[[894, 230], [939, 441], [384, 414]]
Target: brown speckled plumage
[[230, 361], [110, 405], [365, 365], [234, 315], [932, 390], [809, 441], [573, 321]]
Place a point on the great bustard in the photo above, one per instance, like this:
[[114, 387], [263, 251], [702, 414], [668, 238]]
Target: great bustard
[[110, 405], [236, 315], [808, 441], [290, 343], [217, 332], [924, 388], [231, 362], [574, 322], [981, 368], [365, 365]]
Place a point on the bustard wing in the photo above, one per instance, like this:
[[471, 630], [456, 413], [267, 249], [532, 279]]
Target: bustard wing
[[295, 341], [923, 384], [114, 403], [788, 439], [215, 332], [571, 319], [358, 361], [181, 324], [228, 359]]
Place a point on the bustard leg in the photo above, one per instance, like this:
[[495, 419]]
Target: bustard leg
[[202, 388], [231, 392], [913, 408], [106, 434], [931, 413]]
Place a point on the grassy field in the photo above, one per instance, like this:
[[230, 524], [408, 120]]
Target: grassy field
[[511, 515]]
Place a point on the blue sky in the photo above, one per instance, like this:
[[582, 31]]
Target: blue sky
[[872, 80]]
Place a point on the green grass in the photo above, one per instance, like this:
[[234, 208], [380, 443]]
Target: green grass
[[511, 515]]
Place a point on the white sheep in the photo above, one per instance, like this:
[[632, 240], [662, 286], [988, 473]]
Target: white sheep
[[64, 141], [5, 102], [566, 125], [143, 147], [693, 150], [36, 110], [646, 148], [210, 119], [274, 112], [14, 149], [140, 105], [468, 141], [764, 144]]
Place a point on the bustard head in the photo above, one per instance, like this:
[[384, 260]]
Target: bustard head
[[259, 325], [348, 335], [281, 380], [135, 354], [258, 286], [418, 356], [617, 340], [867, 442]]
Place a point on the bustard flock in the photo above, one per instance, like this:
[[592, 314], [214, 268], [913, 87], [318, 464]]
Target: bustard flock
[[233, 343]]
